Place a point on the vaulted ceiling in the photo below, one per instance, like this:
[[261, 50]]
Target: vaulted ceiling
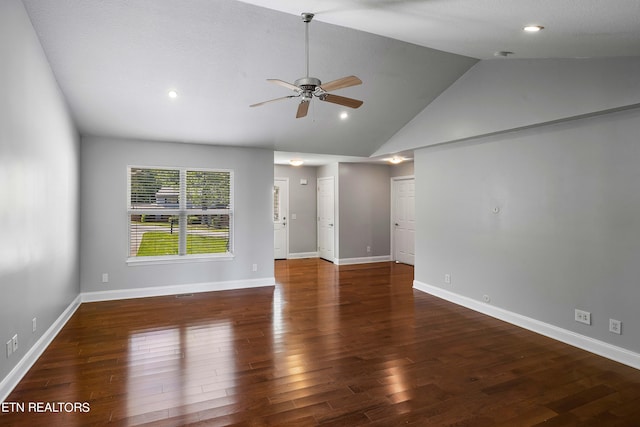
[[116, 60]]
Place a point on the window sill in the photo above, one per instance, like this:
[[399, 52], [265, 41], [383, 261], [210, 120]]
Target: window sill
[[177, 259]]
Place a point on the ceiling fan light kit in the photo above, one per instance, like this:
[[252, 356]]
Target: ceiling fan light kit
[[308, 87]]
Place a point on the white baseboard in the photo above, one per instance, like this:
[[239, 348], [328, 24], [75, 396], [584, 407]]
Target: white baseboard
[[299, 255], [157, 291], [19, 371], [362, 260], [592, 345]]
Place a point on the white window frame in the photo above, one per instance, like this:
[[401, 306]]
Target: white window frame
[[181, 211]]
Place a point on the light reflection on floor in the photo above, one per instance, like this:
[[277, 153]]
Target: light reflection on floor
[[185, 365]]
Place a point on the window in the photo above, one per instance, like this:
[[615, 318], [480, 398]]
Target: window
[[179, 213]]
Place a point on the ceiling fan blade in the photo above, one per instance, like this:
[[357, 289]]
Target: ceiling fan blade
[[302, 108], [341, 83], [273, 100], [285, 84], [341, 100]]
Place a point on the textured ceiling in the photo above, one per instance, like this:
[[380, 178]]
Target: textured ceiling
[[116, 60]]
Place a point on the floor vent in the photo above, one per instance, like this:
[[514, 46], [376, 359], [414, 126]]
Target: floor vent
[[184, 295]]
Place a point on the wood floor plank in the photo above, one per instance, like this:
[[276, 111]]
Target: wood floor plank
[[330, 345]]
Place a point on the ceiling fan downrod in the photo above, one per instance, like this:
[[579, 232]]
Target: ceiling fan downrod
[[306, 18]]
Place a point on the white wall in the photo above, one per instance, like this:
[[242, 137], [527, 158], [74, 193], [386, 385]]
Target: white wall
[[567, 234], [104, 233], [39, 262]]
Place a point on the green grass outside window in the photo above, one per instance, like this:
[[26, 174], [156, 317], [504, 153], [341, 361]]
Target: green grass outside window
[[159, 243]]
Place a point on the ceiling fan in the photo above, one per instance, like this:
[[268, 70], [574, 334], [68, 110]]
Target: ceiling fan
[[308, 87]]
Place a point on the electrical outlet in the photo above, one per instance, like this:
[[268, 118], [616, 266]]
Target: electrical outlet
[[105, 277], [34, 324], [254, 267], [9, 348], [368, 249], [615, 326], [583, 317], [14, 341], [447, 278]]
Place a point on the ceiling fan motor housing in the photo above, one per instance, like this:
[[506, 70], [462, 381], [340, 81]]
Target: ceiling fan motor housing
[[308, 86], [308, 83]]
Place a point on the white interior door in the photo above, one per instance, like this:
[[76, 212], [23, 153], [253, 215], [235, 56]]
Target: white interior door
[[326, 218], [280, 218], [404, 220]]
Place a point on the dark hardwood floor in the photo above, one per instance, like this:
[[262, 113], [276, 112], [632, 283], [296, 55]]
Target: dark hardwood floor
[[334, 346]]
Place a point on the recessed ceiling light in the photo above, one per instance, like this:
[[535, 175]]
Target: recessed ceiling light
[[172, 94], [344, 115], [533, 28], [296, 162]]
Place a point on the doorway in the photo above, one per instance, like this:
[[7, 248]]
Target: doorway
[[403, 219], [280, 215], [326, 218]]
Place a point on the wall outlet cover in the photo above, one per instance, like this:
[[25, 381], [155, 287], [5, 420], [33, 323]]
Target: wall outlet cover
[[615, 326], [582, 316]]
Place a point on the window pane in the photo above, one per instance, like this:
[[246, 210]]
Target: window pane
[[208, 189], [208, 234], [276, 203], [154, 188], [153, 235]]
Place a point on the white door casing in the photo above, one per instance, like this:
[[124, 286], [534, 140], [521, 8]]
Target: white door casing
[[326, 218], [403, 219], [280, 218]]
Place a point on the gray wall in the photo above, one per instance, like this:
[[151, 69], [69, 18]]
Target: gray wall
[[104, 221], [401, 169], [553, 145], [38, 189], [364, 210], [501, 95], [567, 234], [302, 203], [328, 170], [363, 207]]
